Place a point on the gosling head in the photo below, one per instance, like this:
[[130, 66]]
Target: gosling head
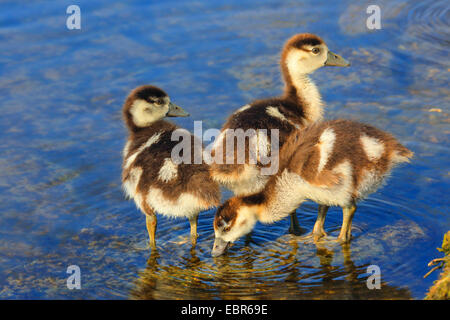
[[304, 53], [148, 104], [233, 219]]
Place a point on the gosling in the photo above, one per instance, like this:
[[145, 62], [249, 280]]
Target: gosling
[[333, 163], [150, 176], [300, 105]]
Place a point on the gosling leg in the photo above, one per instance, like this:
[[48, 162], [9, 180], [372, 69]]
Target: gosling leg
[[295, 227], [194, 221], [151, 222], [248, 238], [346, 229], [318, 231]]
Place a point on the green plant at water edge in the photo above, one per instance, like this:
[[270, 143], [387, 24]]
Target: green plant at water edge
[[441, 287]]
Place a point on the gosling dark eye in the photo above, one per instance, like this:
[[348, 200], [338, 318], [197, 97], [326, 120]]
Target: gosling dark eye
[[154, 101], [315, 50]]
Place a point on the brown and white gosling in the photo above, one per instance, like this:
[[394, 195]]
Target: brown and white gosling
[[150, 177], [333, 163], [300, 105]]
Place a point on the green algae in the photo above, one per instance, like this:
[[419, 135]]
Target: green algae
[[440, 290]]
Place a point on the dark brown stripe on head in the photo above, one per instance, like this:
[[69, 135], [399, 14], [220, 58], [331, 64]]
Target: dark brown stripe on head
[[146, 91], [226, 214], [300, 40]]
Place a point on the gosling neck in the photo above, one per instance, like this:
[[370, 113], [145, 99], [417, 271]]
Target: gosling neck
[[301, 89], [281, 197]]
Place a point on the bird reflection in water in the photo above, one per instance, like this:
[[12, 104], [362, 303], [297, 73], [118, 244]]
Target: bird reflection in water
[[280, 273]]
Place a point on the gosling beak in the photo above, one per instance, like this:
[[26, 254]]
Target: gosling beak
[[176, 111], [220, 247], [334, 59]]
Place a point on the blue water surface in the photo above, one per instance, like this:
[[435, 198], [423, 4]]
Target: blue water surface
[[61, 93]]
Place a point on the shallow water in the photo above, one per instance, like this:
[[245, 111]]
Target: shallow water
[[61, 93]]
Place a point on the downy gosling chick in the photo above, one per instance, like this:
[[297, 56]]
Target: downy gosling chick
[[150, 177], [300, 105], [333, 163]]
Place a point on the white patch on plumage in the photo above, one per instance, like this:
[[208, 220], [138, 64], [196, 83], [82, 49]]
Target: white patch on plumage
[[398, 158], [153, 139], [337, 195], [144, 113], [243, 108], [370, 181], [168, 171], [126, 149], [326, 144], [186, 205], [138, 201], [130, 184], [247, 182], [373, 147], [275, 112]]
